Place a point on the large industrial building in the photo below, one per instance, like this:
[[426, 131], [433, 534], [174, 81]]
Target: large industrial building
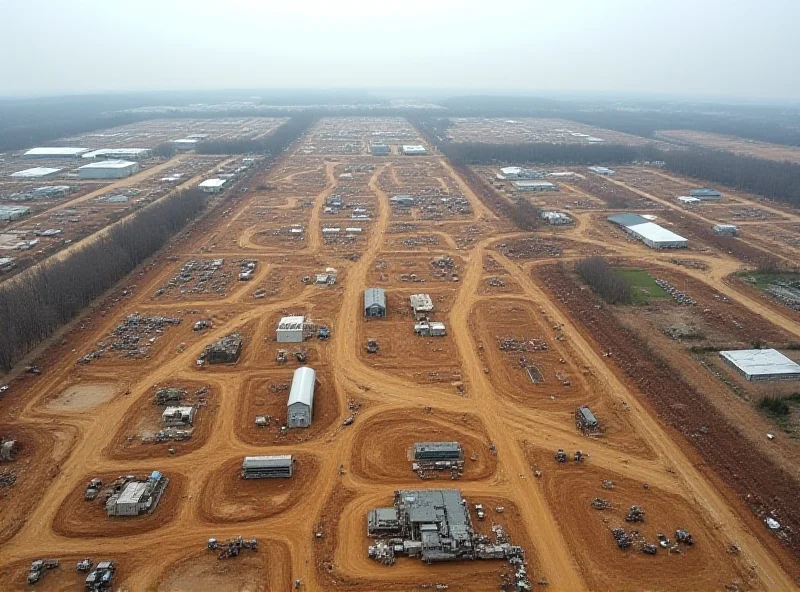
[[300, 406], [415, 150], [374, 302], [292, 329], [108, 169], [178, 416], [279, 466], [433, 525], [137, 497], [379, 149], [650, 233], [35, 173], [535, 186], [706, 194], [762, 364], [119, 153], [59, 152], [438, 451]]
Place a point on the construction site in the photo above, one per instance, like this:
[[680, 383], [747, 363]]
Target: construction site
[[428, 398]]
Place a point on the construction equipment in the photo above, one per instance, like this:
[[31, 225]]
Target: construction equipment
[[479, 511], [84, 566], [92, 490], [38, 568], [349, 420], [561, 456], [649, 549], [232, 547], [599, 503], [635, 514], [281, 357], [372, 346], [663, 541], [684, 536], [301, 357], [100, 578], [323, 333], [579, 456], [622, 538]]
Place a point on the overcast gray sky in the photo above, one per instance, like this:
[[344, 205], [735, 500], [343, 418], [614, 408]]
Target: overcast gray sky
[[736, 48]]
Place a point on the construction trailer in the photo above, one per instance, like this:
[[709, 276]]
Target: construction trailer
[[706, 194], [300, 406], [293, 329], [212, 185], [414, 150], [137, 497], [178, 416], [762, 364], [726, 229], [374, 302], [585, 420], [57, 152], [650, 233], [432, 329], [268, 467], [421, 304], [535, 186], [108, 169]]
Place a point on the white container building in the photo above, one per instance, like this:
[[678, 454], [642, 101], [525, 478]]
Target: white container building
[[762, 364]]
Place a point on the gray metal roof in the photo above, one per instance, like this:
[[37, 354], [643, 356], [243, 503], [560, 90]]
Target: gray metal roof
[[588, 415], [302, 390], [437, 506], [438, 446], [704, 191], [374, 296], [265, 462], [627, 219]]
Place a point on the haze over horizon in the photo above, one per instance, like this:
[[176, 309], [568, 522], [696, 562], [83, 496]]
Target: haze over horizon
[[714, 48]]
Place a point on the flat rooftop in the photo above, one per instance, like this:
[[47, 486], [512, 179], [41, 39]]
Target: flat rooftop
[[213, 183], [654, 232], [116, 152], [55, 151], [761, 362], [34, 172], [108, 164]]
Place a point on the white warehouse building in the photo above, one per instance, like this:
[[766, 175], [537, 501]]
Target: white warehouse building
[[300, 406], [650, 233], [212, 185], [762, 364], [55, 152], [108, 169]]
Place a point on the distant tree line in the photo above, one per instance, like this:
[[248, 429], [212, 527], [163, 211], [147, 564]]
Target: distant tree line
[[38, 302], [272, 144], [776, 180], [604, 280]]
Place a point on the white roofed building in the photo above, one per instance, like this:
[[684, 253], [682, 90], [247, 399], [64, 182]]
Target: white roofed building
[[35, 173], [55, 152], [108, 169], [291, 329], [300, 406], [762, 364], [414, 150], [212, 185], [119, 153]]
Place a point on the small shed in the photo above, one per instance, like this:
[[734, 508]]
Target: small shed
[[291, 329], [374, 302]]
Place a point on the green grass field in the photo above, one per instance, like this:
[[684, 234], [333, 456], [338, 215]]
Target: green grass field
[[765, 278], [644, 287]]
